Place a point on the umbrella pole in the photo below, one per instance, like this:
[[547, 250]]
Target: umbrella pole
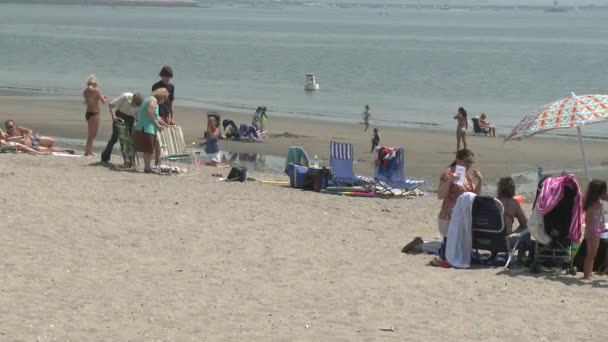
[[580, 141]]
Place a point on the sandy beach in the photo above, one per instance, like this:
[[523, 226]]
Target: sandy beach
[[428, 151], [93, 253]]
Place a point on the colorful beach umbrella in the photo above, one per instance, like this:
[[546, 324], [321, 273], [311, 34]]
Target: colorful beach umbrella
[[570, 112]]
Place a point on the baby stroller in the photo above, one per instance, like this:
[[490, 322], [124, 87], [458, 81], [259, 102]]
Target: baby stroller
[[558, 252]]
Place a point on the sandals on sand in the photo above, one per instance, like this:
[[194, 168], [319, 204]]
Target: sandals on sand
[[440, 263], [413, 247]]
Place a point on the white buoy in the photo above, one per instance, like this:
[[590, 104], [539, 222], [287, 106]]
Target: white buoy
[[311, 83]]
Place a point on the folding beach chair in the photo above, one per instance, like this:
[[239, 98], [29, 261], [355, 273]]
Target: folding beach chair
[[341, 156], [125, 139], [296, 155], [390, 171], [477, 130], [8, 148], [489, 231], [172, 143]]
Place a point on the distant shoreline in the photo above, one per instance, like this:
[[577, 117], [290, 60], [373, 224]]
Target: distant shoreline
[[146, 3]]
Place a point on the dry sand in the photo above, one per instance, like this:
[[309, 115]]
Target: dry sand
[[93, 254]]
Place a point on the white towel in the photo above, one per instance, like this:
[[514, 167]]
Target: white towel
[[536, 226], [460, 234]]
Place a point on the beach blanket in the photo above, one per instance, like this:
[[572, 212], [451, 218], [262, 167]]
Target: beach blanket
[[460, 235]]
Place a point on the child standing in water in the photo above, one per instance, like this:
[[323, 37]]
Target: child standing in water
[[92, 96], [595, 221], [375, 139], [461, 128]]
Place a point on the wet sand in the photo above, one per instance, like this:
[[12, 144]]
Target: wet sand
[[428, 151]]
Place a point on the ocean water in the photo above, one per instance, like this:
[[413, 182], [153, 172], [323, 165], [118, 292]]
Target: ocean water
[[413, 67]]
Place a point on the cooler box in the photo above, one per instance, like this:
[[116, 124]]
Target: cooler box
[[299, 177], [320, 178]]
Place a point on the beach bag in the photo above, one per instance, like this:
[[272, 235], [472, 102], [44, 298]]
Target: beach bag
[[237, 174], [299, 176]]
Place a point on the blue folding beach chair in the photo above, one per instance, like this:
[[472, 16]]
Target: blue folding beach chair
[[390, 172], [296, 155], [341, 158]]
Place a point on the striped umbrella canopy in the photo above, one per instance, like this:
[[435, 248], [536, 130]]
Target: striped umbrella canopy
[[569, 112]]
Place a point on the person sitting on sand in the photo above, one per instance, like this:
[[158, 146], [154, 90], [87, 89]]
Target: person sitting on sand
[[486, 126], [5, 142], [448, 191], [213, 154], [505, 191], [92, 96], [28, 138]]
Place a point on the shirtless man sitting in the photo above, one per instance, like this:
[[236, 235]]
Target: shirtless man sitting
[[28, 138], [505, 190]]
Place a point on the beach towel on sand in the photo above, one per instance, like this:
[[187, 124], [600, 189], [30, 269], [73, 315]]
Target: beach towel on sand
[[460, 235]]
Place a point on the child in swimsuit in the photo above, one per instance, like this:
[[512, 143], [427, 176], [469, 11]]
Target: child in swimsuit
[[594, 221], [92, 96]]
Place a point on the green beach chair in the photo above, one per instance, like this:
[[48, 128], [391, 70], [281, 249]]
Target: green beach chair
[[126, 144]]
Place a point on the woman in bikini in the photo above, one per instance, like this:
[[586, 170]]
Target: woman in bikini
[[461, 128], [92, 97]]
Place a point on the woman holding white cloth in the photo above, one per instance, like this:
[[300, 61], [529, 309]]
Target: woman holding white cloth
[[452, 185]]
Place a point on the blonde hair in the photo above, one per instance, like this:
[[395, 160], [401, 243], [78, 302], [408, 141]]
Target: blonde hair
[[91, 80], [161, 94]]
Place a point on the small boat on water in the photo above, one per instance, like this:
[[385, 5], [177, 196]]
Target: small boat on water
[[311, 83], [556, 8]]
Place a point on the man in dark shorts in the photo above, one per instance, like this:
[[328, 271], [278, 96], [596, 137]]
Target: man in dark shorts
[[165, 110]]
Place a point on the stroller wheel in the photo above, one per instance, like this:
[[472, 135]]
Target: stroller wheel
[[535, 268]]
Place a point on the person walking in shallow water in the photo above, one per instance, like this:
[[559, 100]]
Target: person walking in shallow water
[[367, 114], [92, 96]]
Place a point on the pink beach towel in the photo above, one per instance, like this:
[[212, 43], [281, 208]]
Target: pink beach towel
[[550, 195]]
